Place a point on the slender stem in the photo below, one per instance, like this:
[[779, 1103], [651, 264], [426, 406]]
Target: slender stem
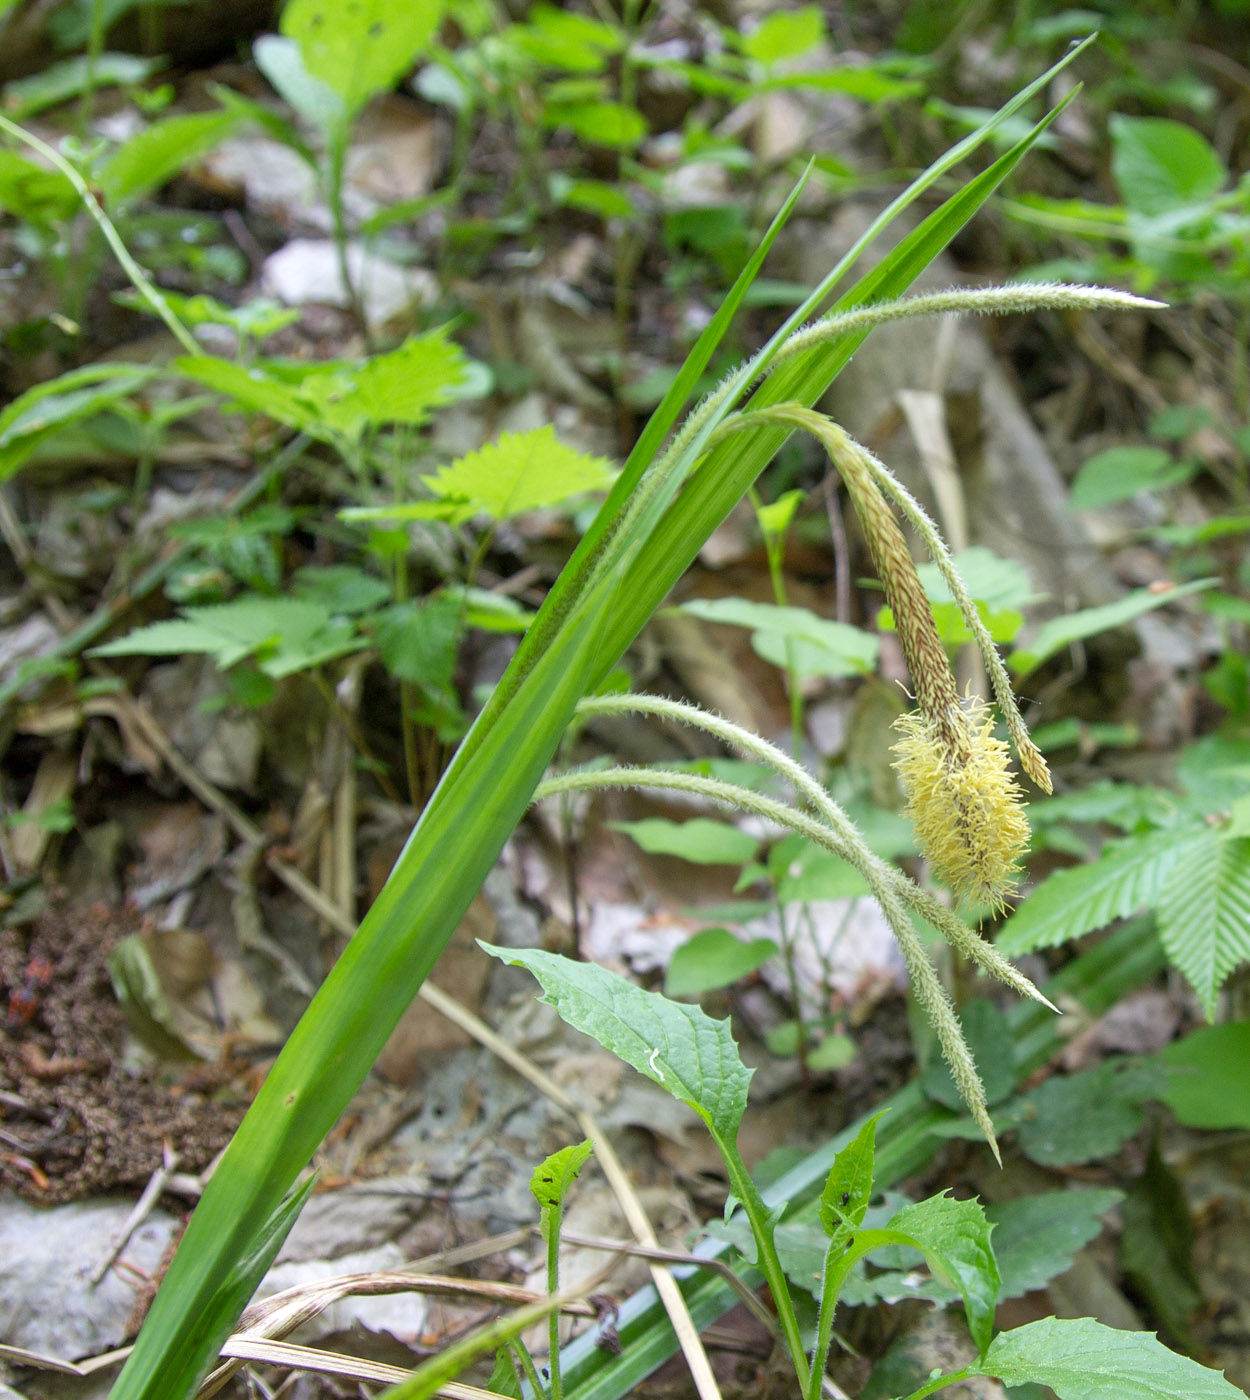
[[522, 1353], [761, 1224], [824, 1321], [554, 1214], [939, 1382], [146, 289]]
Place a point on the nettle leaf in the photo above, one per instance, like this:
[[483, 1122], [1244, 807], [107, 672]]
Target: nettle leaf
[[420, 641], [520, 472], [552, 1179], [954, 1237], [848, 1187], [1061, 632], [252, 389], [1080, 1359], [1204, 913], [1129, 875], [673, 1043], [360, 47], [159, 152], [712, 959], [285, 635], [701, 840], [340, 588], [41, 412], [1036, 1237], [1208, 1086], [401, 386], [1081, 1117], [816, 646]]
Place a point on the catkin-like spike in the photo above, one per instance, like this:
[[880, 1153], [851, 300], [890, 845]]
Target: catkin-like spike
[[965, 807]]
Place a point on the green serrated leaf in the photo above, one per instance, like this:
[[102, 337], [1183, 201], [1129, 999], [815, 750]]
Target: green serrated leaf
[[360, 47], [285, 634], [520, 472], [712, 959], [339, 588], [1061, 632], [954, 1237], [674, 1044], [1080, 1359], [1160, 165], [848, 1187], [1208, 1086], [401, 386], [1204, 913], [1129, 875], [1036, 1237], [702, 840], [1081, 1117], [420, 641]]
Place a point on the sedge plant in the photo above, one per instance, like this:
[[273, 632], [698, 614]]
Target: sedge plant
[[662, 508]]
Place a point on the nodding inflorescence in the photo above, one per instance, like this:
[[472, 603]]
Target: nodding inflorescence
[[963, 801]]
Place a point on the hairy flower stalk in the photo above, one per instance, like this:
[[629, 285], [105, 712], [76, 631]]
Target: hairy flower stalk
[[961, 796], [924, 980]]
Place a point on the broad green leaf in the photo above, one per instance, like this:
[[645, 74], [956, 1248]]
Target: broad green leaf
[[1080, 1359], [609, 124], [1036, 1237], [559, 38], [816, 646], [702, 840], [712, 959], [1161, 165], [40, 412], [955, 1239], [1061, 632], [848, 1187], [784, 34], [1128, 875], [1080, 1117], [160, 151], [360, 47], [813, 873], [986, 1032], [552, 1179], [674, 1044], [33, 193], [281, 60], [1204, 913], [1126, 805], [990, 579], [1208, 1085], [520, 472], [1121, 472]]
